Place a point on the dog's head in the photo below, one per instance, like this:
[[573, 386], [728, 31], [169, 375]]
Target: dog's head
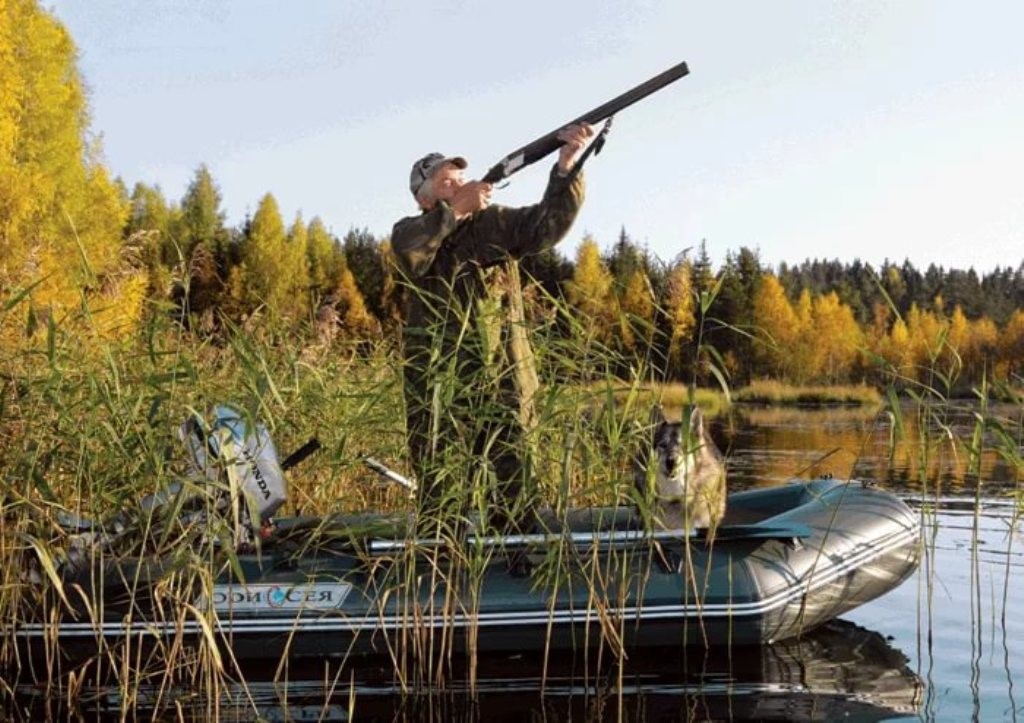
[[677, 448]]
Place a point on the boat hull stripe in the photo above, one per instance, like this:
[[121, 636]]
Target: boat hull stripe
[[818, 578]]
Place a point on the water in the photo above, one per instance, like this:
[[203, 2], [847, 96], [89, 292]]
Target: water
[[960, 620], [946, 645]]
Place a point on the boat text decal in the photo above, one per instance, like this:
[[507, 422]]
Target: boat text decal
[[256, 597]]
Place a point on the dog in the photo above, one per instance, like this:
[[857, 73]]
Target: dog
[[687, 482]]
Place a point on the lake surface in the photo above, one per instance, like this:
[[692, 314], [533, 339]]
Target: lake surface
[[946, 645], [959, 621]]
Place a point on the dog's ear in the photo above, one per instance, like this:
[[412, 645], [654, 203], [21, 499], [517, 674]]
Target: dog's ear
[[657, 415], [696, 424]]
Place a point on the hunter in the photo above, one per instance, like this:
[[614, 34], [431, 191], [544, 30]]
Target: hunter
[[469, 374]]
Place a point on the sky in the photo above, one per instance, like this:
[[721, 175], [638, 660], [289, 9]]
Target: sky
[[806, 129]]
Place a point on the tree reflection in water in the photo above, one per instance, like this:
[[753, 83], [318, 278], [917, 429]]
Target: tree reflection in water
[[769, 445]]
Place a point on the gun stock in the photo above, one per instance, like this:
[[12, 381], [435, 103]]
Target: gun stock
[[548, 143]]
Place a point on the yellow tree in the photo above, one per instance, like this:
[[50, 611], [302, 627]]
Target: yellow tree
[[294, 267], [806, 358], [1011, 348], [637, 308], [958, 335], [590, 291], [265, 255], [324, 258], [898, 350], [777, 328], [61, 216], [877, 334], [835, 337], [354, 316], [983, 348], [680, 308], [926, 332]]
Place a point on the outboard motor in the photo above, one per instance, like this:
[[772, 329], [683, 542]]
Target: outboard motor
[[246, 485], [245, 455]]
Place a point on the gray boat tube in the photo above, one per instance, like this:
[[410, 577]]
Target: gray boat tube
[[785, 560]]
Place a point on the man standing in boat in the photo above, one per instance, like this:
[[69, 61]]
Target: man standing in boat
[[469, 375]]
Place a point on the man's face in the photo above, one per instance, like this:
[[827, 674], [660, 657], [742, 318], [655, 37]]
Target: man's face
[[446, 180]]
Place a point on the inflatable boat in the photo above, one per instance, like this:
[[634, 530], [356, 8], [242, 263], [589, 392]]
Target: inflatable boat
[[784, 561]]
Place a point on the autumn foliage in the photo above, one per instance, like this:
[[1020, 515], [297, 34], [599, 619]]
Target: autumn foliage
[[79, 251]]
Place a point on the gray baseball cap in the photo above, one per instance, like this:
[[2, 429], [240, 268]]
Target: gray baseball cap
[[425, 167]]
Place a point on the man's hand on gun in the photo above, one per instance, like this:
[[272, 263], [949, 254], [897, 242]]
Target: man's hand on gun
[[471, 197], [475, 196], [574, 138]]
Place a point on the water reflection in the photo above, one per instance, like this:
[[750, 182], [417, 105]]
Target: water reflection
[[839, 671], [961, 617], [922, 451]]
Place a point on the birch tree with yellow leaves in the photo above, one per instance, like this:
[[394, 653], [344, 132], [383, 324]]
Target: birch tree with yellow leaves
[[590, 292], [777, 328], [61, 216]]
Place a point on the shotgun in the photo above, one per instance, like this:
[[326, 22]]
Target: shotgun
[[548, 143]]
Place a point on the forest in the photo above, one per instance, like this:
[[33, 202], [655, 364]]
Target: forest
[[93, 255]]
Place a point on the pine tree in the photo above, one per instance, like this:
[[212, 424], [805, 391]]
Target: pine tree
[[148, 211], [150, 228], [549, 268], [366, 262], [702, 274], [202, 220], [733, 309], [200, 237], [624, 260]]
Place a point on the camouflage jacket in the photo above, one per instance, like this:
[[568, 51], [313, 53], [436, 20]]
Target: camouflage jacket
[[466, 271]]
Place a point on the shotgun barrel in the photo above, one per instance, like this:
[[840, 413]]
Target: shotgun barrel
[[548, 143]]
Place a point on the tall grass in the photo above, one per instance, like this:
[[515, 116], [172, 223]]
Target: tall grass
[[89, 429], [767, 391]]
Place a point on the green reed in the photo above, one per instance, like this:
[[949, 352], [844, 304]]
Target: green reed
[[89, 428]]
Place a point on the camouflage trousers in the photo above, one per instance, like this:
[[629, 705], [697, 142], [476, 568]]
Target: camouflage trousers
[[469, 452]]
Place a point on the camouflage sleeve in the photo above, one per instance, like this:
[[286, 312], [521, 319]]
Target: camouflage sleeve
[[415, 240], [501, 232]]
